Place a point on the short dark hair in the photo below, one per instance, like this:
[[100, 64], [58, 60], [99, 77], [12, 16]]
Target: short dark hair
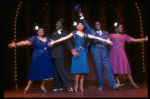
[[97, 21], [94, 24], [79, 21]]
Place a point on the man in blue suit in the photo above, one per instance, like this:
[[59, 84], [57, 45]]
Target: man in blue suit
[[100, 54]]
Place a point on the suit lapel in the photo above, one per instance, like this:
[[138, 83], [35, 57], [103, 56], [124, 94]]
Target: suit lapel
[[103, 34]]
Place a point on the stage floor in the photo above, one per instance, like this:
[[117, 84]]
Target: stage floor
[[90, 91]]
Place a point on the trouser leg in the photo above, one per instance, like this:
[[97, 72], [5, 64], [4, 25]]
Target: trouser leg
[[57, 80], [107, 68], [98, 65], [63, 72]]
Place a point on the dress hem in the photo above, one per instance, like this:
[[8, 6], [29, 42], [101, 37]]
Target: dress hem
[[40, 79]]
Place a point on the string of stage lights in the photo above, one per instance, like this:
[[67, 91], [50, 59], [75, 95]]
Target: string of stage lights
[[142, 35], [15, 35]]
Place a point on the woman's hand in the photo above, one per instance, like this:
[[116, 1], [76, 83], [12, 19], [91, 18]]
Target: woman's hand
[[13, 44], [75, 53], [51, 43], [109, 41], [21, 43], [146, 38]]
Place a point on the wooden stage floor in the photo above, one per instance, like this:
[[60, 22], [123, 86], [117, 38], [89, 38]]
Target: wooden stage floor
[[90, 91]]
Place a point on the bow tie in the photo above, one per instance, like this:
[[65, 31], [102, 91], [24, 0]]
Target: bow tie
[[59, 31], [99, 32]]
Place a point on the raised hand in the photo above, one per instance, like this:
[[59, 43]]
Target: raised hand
[[13, 44], [80, 14]]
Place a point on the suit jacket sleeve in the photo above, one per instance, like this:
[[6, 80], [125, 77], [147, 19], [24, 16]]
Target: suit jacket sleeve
[[69, 43], [88, 29], [86, 26]]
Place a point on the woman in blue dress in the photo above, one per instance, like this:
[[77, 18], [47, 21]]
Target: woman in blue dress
[[79, 65], [41, 63]]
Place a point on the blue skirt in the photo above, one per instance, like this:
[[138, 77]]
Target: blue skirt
[[41, 68], [80, 63]]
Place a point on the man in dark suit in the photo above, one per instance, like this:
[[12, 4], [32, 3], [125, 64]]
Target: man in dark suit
[[100, 54], [58, 53]]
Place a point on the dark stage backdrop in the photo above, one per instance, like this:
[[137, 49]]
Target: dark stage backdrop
[[48, 13]]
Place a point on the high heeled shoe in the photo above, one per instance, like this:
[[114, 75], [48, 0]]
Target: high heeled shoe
[[81, 90], [43, 89], [25, 91], [75, 90], [134, 85]]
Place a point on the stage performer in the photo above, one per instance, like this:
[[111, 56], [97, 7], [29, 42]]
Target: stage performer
[[79, 64], [41, 62], [100, 54], [58, 53], [118, 58]]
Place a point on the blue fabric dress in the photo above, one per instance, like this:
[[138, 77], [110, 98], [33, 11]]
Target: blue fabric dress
[[80, 64], [41, 62]]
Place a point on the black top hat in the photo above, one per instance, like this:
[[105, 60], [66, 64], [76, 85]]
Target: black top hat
[[77, 8], [63, 21]]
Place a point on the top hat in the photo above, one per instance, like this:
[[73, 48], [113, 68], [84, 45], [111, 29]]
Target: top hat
[[63, 21], [77, 8]]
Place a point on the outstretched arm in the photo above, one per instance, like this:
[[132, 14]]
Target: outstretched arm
[[21, 43], [139, 40], [75, 54], [61, 39], [99, 38], [86, 26]]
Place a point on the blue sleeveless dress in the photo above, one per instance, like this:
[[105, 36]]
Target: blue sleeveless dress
[[41, 62], [80, 64]]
